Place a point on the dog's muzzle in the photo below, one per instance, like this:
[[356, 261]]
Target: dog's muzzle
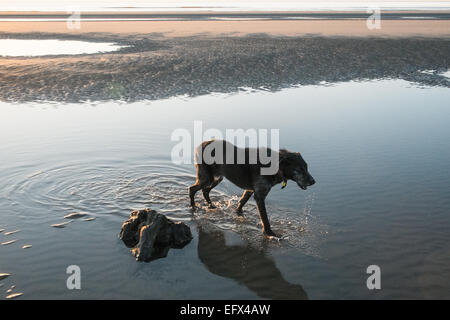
[[305, 184], [302, 187]]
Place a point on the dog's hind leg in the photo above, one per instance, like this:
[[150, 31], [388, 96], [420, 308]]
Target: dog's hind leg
[[208, 189], [243, 200], [204, 178]]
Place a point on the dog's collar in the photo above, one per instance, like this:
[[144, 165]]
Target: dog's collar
[[281, 175]]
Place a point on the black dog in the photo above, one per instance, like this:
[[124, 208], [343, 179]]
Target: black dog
[[247, 174]]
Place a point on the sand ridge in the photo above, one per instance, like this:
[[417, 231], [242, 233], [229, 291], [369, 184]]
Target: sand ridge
[[389, 28]]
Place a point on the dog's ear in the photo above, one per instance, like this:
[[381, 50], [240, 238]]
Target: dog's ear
[[283, 161], [281, 166]]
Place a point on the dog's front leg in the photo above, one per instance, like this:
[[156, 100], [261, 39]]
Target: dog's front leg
[[260, 196]]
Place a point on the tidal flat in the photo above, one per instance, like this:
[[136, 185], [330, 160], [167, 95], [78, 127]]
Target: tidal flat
[[86, 138], [152, 67]]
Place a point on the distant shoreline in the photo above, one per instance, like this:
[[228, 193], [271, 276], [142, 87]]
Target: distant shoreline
[[228, 15], [423, 23], [289, 28]]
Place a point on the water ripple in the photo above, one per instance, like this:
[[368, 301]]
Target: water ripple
[[112, 191]]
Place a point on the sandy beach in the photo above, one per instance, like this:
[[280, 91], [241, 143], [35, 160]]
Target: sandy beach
[[389, 28], [162, 59], [87, 137]]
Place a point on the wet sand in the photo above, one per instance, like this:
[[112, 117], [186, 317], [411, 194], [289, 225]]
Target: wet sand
[[171, 58], [389, 28]]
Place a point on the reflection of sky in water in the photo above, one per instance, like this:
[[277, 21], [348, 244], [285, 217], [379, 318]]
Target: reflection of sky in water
[[32, 48], [378, 151]]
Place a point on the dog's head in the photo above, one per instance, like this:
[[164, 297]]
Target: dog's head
[[293, 167]]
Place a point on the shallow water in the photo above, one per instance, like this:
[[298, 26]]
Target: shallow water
[[380, 159], [21, 48]]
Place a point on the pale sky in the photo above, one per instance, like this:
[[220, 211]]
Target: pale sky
[[249, 4]]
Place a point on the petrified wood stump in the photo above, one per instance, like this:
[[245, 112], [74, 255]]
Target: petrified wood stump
[[151, 235]]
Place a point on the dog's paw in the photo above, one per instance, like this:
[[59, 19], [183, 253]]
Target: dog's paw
[[211, 206], [239, 212], [275, 238], [270, 234]]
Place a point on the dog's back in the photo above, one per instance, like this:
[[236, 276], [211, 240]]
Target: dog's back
[[214, 152], [221, 158]]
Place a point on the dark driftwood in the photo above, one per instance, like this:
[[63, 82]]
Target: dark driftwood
[[151, 235]]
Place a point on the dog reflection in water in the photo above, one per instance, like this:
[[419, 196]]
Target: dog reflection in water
[[246, 265]]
